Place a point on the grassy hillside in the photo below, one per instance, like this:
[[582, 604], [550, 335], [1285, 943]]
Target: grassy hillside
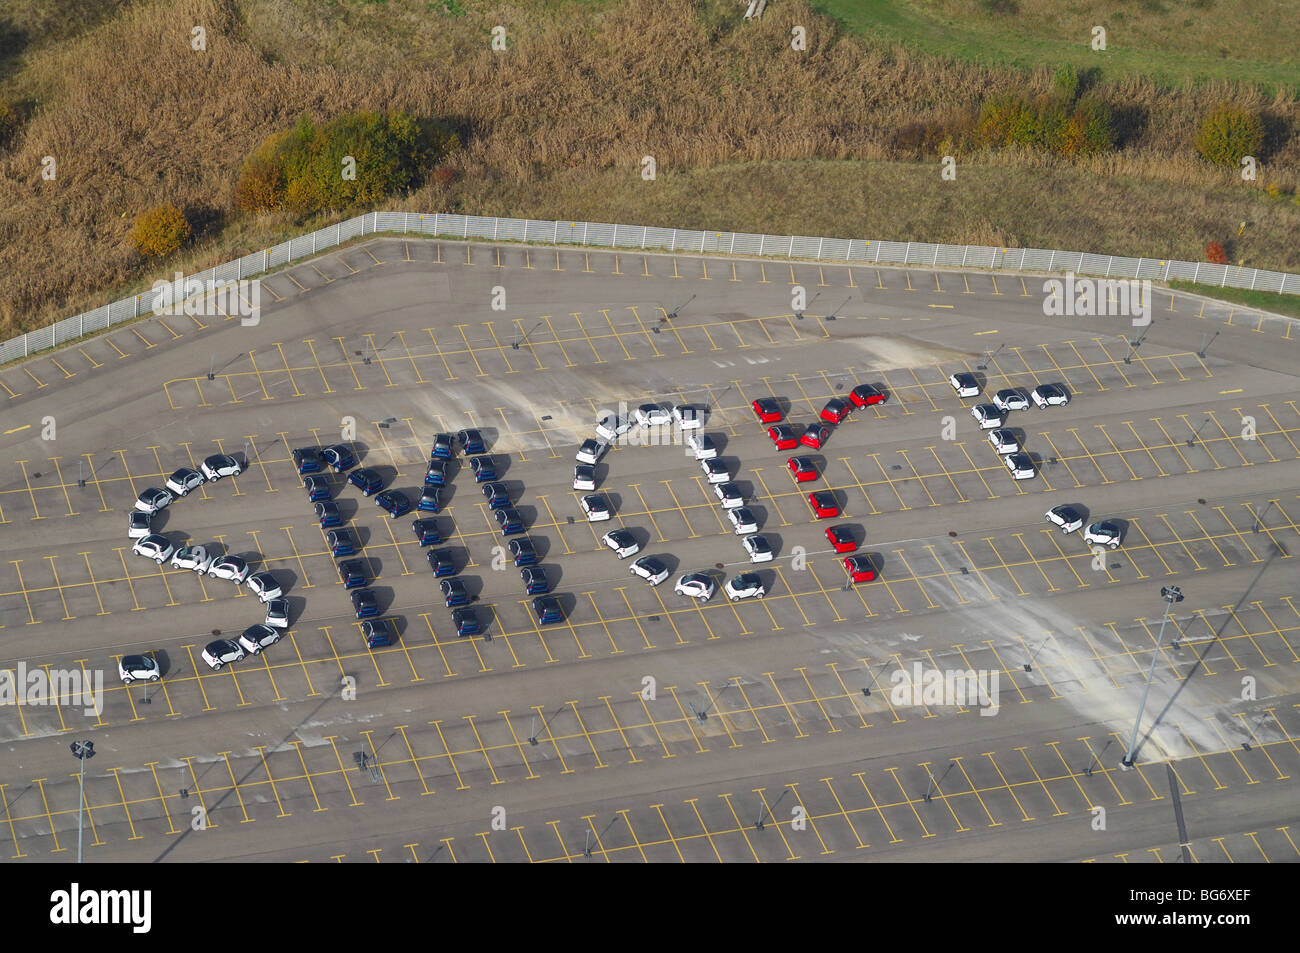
[[747, 133]]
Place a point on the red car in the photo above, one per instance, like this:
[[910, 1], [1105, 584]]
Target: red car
[[860, 568], [815, 436], [785, 437], [823, 504], [767, 410], [835, 410], [864, 395], [802, 469], [841, 538]]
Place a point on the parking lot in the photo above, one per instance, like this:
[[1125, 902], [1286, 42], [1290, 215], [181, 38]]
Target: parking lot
[[1193, 450]]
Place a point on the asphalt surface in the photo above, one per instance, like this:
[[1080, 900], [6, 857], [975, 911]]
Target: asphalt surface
[[646, 726]]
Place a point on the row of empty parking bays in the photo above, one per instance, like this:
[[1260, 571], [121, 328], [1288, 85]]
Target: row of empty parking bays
[[1258, 637], [492, 753], [412, 357]]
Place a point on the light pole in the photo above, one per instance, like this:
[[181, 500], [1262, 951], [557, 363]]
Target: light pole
[[81, 750], [1171, 595]]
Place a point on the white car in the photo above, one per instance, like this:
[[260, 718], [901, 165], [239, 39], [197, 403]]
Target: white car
[[759, 549], [220, 465], [688, 416], [584, 477], [277, 613], [192, 557], [229, 567], [264, 586], [591, 451], [140, 525], [702, 445], [622, 542], [1066, 517], [596, 507], [134, 668], [1105, 533], [650, 569], [156, 547], [257, 637], [696, 585], [184, 480], [653, 415], [1004, 441], [611, 427], [745, 586], [152, 500], [987, 416], [1049, 395], [715, 471], [1010, 399], [729, 495], [966, 385], [222, 652], [1020, 465], [743, 519]]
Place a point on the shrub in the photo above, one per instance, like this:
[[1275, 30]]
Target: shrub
[[1067, 84], [1050, 124], [1215, 254], [444, 175], [159, 231], [303, 170], [1229, 133]]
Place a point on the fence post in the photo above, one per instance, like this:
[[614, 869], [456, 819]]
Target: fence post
[[1051, 261], [464, 232], [848, 249], [406, 222], [584, 234], [1138, 273], [907, 253], [673, 246], [965, 250], [1225, 275], [732, 247], [435, 223], [614, 241], [1022, 259], [313, 243], [496, 222], [1110, 264], [644, 232], [266, 259], [1253, 279], [1167, 264], [936, 256], [820, 246], [878, 247], [762, 240], [703, 238]]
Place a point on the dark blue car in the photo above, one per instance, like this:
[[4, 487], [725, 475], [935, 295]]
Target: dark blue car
[[441, 563], [365, 603], [453, 590], [497, 496], [472, 441], [485, 468], [426, 531], [436, 475], [510, 521], [393, 503], [547, 610], [307, 460], [339, 457], [466, 622], [366, 480], [328, 514], [523, 552], [535, 581], [443, 446], [318, 488], [353, 573], [430, 500], [377, 633], [341, 542]]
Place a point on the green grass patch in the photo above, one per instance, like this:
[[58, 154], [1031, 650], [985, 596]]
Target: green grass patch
[[1173, 42], [1287, 304]]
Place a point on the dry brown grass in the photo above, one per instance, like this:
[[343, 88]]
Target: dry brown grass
[[556, 127]]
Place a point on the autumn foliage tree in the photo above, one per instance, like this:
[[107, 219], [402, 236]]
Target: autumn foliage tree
[[159, 231]]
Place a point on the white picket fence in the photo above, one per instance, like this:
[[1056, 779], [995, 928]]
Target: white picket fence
[[702, 242]]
